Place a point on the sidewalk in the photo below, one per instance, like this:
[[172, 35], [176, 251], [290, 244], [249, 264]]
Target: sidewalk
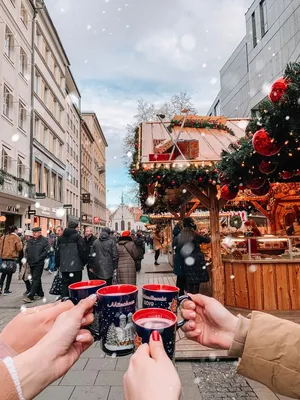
[[97, 376]]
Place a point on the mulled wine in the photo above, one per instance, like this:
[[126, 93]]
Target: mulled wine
[[154, 323]]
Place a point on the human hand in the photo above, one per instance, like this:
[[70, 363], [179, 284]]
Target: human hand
[[210, 324], [151, 374], [31, 325], [54, 355]]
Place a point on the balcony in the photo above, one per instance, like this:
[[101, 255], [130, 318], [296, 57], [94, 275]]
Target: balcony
[[16, 187]]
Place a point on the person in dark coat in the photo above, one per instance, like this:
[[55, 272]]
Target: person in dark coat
[[128, 255], [103, 259], [178, 261], [37, 252], [71, 256], [140, 245], [89, 240], [189, 241]]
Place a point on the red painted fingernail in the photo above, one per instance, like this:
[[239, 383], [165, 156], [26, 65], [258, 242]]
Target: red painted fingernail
[[155, 336]]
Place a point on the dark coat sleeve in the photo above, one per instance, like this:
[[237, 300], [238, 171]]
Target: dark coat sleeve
[[57, 253], [202, 239], [114, 254], [82, 250], [45, 250]]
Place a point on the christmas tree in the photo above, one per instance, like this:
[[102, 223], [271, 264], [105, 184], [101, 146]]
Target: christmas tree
[[112, 336], [270, 151]]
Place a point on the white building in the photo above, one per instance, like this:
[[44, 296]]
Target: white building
[[272, 40], [16, 193], [126, 218]]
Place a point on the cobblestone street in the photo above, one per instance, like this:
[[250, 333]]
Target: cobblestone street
[[97, 376]]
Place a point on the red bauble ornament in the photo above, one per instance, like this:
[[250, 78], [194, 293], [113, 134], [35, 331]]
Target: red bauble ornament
[[227, 193], [298, 172], [278, 89], [287, 174], [210, 180], [173, 182], [158, 176], [223, 179], [200, 179], [255, 183], [263, 144], [262, 191], [267, 167]]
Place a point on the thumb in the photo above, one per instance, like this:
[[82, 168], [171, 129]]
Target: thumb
[[156, 346]]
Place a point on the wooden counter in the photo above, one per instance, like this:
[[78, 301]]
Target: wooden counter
[[274, 285]]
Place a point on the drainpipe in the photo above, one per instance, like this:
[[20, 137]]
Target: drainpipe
[[32, 96]]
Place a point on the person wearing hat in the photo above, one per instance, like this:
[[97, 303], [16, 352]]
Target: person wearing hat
[[37, 252], [71, 256], [128, 255]]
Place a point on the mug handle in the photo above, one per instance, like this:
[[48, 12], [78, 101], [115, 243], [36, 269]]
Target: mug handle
[[181, 299], [64, 299]]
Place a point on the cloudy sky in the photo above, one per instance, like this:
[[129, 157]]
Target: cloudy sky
[[124, 50]]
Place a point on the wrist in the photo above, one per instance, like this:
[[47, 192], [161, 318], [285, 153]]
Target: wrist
[[236, 348], [33, 371]]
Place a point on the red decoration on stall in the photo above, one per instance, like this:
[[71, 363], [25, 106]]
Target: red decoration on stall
[[267, 167], [227, 193], [255, 183], [223, 179], [278, 89], [263, 190], [263, 144], [287, 174]]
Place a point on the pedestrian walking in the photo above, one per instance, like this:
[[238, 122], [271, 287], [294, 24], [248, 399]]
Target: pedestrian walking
[[10, 247], [140, 245], [157, 245], [37, 252], [128, 255], [71, 256], [194, 264], [89, 240], [51, 253], [103, 259], [178, 261], [25, 272]]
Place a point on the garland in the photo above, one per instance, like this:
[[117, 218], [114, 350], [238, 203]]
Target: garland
[[192, 123], [7, 174]]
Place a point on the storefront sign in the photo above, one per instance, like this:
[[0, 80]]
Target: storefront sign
[[40, 196], [12, 209], [31, 212], [97, 220], [86, 198], [144, 219], [68, 206]]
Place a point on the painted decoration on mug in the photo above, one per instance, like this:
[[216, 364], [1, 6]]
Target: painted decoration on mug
[[120, 334]]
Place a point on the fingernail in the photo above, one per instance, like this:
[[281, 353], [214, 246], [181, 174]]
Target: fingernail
[[193, 314], [79, 337], [191, 324], [83, 321], [93, 296], [155, 336]]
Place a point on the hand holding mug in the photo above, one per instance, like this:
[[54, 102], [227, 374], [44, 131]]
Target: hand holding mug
[[210, 324], [151, 374]]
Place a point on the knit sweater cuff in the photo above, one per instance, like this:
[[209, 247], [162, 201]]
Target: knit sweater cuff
[[238, 344], [9, 363]]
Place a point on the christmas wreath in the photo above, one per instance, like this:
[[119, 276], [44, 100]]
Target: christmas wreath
[[235, 221]]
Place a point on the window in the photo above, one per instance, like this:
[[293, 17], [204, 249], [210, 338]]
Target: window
[[122, 225], [22, 116], [21, 167], [263, 17], [48, 56], [51, 143], [36, 132], [7, 102], [129, 225], [24, 15], [53, 185], [37, 176], [37, 83], [46, 95], [46, 137], [23, 62], [5, 162], [116, 227], [13, 2], [254, 34], [46, 181], [217, 109], [9, 43]]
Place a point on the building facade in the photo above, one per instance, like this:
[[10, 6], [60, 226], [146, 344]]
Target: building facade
[[272, 41], [16, 191], [96, 161], [126, 218]]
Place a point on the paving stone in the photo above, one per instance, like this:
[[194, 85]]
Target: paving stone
[[283, 397], [101, 364], [57, 382], [56, 392], [116, 393], [184, 366], [110, 378], [79, 365], [187, 378], [122, 364], [255, 385], [90, 393], [190, 393], [265, 394], [93, 352], [79, 378]]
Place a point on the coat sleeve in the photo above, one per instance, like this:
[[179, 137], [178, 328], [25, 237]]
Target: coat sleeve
[[271, 354], [114, 254], [45, 250], [19, 245], [82, 249], [57, 253], [134, 251]]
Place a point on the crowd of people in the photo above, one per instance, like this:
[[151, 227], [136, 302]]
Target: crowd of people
[[69, 253]]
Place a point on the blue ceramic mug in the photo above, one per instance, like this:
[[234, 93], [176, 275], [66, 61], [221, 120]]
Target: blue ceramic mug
[[116, 305], [81, 290], [148, 320], [162, 296]]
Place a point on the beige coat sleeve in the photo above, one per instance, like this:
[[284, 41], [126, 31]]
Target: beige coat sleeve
[[8, 390], [271, 354]]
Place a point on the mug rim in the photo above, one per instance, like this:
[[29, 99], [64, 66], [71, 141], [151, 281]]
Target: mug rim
[[87, 284], [127, 288], [152, 312], [155, 287]]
